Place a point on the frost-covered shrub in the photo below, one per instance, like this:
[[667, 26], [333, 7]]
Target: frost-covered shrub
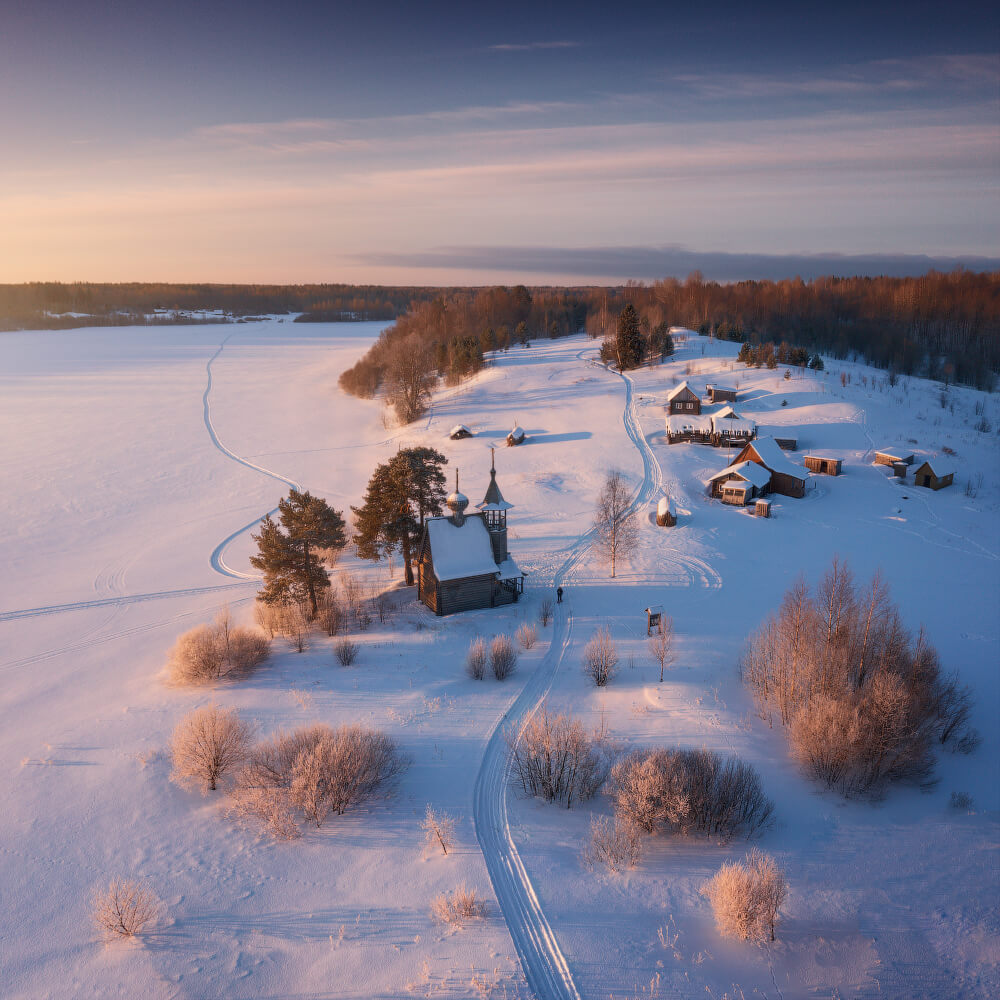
[[863, 700], [346, 652], [475, 659], [556, 759], [746, 896], [600, 657], [209, 653], [458, 906], [125, 907], [313, 772], [689, 791], [439, 829], [527, 635], [503, 657], [614, 843], [208, 744], [545, 611]]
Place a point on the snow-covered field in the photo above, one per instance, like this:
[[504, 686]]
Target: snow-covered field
[[134, 460]]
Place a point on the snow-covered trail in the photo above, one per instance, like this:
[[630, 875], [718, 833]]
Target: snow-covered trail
[[217, 558], [544, 965]]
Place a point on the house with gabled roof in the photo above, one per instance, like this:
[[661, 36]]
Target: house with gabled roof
[[683, 400], [787, 478], [740, 483]]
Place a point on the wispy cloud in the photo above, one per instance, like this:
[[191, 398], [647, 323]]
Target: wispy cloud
[[657, 262], [532, 46]]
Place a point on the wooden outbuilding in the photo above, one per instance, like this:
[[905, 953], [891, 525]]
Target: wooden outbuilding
[[825, 466], [890, 456], [787, 478], [762, 508], [694, 428], [683, 400], [934, 474], [720, 394], [458, 432], [463, 562], [740, 483], [666, 513], [515, 437]]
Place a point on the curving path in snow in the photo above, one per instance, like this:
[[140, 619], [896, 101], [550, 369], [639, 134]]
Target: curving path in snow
[[544, 965]]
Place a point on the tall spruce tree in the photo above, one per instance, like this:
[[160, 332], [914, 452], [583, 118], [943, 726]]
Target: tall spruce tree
[[292, 560], [401, 494], [628, 343]]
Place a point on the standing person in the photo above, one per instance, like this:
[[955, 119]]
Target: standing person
[[558, 595]]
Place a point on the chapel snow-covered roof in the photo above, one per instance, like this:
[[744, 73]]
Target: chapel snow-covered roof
[[509, 570], [462, 550]]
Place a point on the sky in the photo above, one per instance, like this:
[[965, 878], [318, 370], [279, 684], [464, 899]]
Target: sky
[[458, 143]]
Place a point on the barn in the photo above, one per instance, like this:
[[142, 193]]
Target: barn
[[463, 562], [934, 474], [683, 400], [740, 483], [821, 464], [787, 478]]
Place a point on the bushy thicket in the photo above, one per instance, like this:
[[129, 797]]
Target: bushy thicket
[[503, 657], [689, 791], [124, 908], [208, 744], [311, 773], [458, 906], [864, 702], [211, 652], [557, 759], [746, 896]]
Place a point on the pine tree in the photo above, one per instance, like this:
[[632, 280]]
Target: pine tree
[[401, 494], [292, 559], [629, 346]]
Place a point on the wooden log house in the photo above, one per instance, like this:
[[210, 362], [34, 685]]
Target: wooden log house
[[787, 478], [683, 400], [934, 475]]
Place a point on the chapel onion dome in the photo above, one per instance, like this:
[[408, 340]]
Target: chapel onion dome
[[457, 502]]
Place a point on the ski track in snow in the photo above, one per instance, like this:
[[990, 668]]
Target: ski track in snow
[[542, 961]]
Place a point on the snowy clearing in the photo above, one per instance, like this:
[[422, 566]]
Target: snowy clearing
[[137, 461]]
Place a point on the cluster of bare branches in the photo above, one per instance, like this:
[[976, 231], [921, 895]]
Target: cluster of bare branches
[[556, 759], [746, 896], [503, 657], [614, 843], [475, 659], [459, 906], [600, 657], [439, 829], [208, 744], [689, 791], [313, 772], [346, 652], [864, 701], [527, 635], [616, 523], [209, 653], [545, 612], [661, 644], [125, 907]]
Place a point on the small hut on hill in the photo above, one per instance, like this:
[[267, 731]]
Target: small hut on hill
[[720, 394], [683, 400], [934, 474], [515, 437], [823, 465], [458, 432], [894, 456]]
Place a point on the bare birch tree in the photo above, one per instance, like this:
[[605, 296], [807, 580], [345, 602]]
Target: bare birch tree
[[662, 644], [616, 527], [409, 379]]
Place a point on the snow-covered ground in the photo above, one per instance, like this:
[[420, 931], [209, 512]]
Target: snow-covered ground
[[128, 481]]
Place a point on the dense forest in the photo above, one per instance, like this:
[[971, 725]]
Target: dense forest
[[945, 326]]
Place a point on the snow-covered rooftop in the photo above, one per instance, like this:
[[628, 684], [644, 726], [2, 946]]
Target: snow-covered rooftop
[[509, 570], [732, 425], [517, 433], [665, 506], [896, 451], [775, 459], [750, 471], [459, 429], [939, 469], [682, 423], [460, 551], [683, 387]]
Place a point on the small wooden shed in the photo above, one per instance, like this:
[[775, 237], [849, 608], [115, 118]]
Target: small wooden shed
[[826, 466], [934, 475], [762, 508], [890, 456], [720, 394], [458, 432], [900, 469], [515, 437], [666, 513]]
